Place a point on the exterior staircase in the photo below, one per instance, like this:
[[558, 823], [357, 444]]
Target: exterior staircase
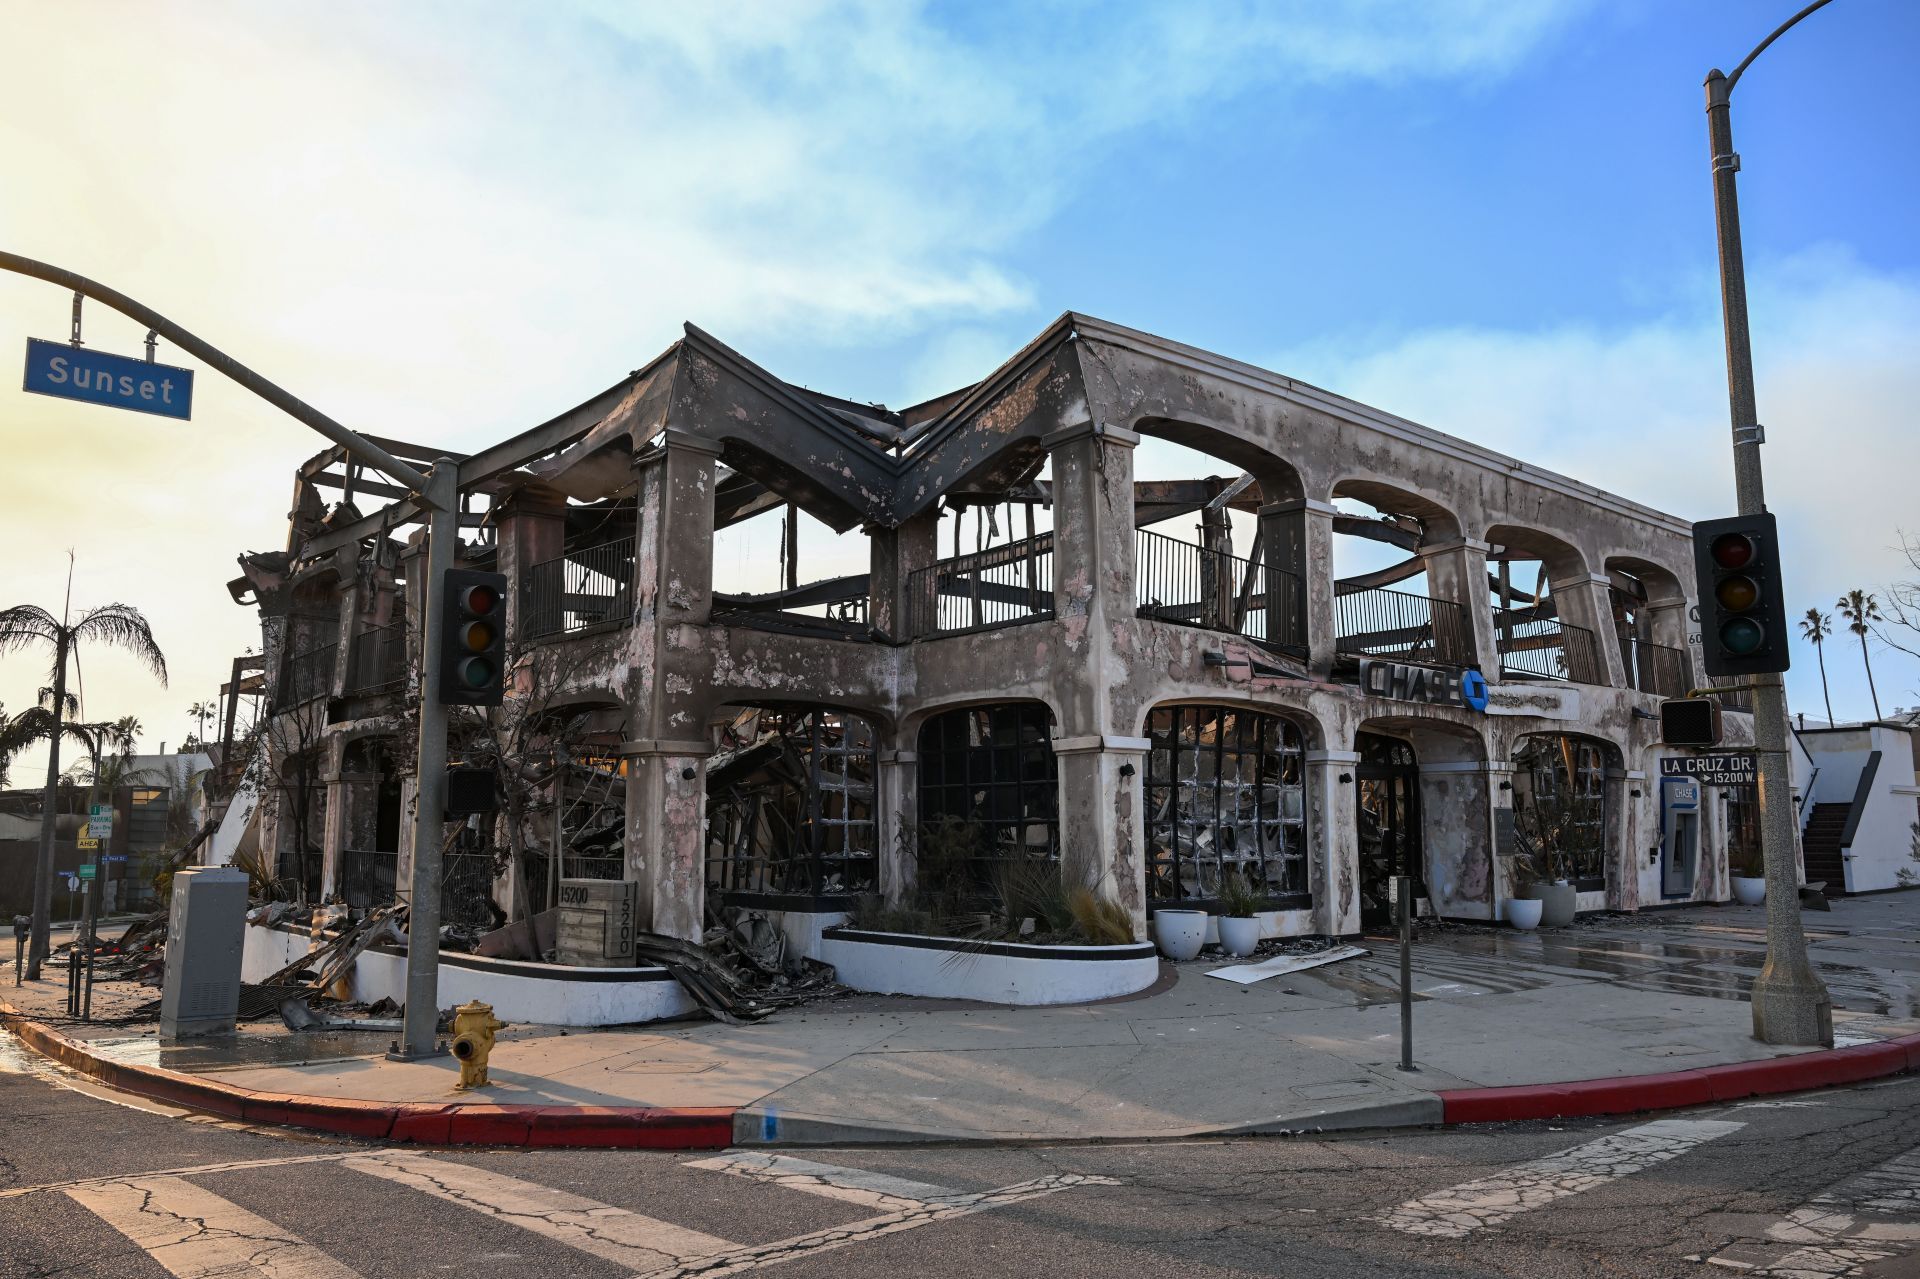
[[1820, 844]]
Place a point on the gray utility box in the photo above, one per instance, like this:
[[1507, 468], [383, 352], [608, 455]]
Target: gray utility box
[[598, 918], [206, 931]]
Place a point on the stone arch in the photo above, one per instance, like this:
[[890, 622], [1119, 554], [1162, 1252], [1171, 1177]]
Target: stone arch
[[1279, 479], [1439, 523], [1566, 631], [1650, 625]]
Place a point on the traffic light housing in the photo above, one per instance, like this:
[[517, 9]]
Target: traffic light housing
[[1744, 628], [473, 638]]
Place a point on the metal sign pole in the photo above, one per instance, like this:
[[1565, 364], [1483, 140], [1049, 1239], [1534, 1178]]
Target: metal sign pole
[[1403, 901]]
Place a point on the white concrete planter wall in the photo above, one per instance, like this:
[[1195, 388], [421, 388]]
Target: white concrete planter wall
[[993, 972], [547, 994]]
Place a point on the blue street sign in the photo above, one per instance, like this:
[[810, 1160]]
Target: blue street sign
[[75, 373]]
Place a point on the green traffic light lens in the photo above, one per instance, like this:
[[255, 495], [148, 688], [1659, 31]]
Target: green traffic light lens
[[1737, 593], [1742, 637], [476, 672]]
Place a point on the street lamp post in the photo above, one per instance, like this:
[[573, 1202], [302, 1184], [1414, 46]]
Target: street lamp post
[[1790, 1002]]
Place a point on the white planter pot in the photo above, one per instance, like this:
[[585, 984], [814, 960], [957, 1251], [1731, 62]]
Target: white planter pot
[[1524, 912], [1180, 933], [1749, 892], [1239, 937]]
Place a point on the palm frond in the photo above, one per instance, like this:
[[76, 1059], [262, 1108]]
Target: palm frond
[[122, 626], [25, 625]]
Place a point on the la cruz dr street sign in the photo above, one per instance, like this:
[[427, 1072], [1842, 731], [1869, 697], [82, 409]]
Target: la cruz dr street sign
[[1721, 768], [96, 377]]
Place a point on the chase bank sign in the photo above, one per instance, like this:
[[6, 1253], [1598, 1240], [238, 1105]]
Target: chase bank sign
[[1424, 684]]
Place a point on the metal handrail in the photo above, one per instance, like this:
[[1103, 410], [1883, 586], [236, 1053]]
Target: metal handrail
[[378, 662], [1003, 587], [1180, 582], [1659, 669], [578, 590], [1534, 643], [1378, 622], [308, 675]]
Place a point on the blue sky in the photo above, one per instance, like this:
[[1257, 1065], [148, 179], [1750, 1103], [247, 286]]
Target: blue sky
[[448, 221]]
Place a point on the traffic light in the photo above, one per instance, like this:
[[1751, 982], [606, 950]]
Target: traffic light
[[1744, 626], [473, 637]]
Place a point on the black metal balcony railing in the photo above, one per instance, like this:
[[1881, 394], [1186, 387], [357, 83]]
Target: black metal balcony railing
[[378, 663], [1383, 623], [1541, 645], [580, 589], [1001, 587], [367, 877], [1180, 582], [1659, 669], [308, 675]]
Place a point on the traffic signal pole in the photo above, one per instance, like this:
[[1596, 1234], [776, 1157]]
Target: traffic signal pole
[[420, 1027], [439, 491], [1790, 1002]]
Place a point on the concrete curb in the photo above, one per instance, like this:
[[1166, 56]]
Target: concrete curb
[[1675, 1089], [716, 1127], [428, 1123]]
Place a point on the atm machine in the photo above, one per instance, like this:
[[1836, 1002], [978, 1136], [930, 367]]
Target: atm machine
[[1679, 835]]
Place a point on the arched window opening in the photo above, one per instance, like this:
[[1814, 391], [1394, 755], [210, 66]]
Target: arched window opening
[[790, 806], [1226, 794], [989, 786], [1560, 807]]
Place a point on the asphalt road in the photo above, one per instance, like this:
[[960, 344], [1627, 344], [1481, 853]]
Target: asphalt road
[[92, 1185]]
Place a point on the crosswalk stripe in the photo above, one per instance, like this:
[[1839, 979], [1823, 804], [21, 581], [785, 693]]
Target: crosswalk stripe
[[1458, 1212], [196, 1234], [613, 1234], [870, 1189], [754, 1256], [1867, 1218]]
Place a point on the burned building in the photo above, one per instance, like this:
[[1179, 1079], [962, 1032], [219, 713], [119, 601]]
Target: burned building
[[1147, 684]]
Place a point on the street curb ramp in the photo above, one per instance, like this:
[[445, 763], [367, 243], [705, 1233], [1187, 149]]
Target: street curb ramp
[[425, 1123]]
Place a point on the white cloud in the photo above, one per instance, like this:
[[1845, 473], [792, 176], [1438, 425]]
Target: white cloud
[[1641, 410]]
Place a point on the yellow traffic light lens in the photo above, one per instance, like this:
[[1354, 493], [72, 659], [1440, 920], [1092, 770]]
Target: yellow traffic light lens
[[1732, 550], [1737, 594], [477, 636], [479, 599], [1742, 636]]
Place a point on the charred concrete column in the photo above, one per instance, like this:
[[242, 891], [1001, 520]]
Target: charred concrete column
[[898, 804], [1102, 839], [532, 530], [667, 833], [1622, 853], [334, 833], [893, 556], [1500, 814], [1334, 854], [1298, 535], [1587, 602], [1457, 572], [666, 673]]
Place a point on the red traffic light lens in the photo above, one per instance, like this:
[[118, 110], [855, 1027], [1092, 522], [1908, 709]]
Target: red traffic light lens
[[477, 637], [1742, 636], [1738, 593], [1732, 550], [479, 599], [476, 672]]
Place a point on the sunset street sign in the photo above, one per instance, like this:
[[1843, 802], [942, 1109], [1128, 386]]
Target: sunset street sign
[[96, 377]]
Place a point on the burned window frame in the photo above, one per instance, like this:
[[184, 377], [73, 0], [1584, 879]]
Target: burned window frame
[[830, 848], [992, 767], [1542, 759], [1276, 746]]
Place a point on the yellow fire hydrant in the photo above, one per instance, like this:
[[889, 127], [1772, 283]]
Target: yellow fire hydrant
[[473, 1027]]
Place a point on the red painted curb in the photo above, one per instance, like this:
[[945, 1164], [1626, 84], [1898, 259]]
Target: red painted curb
[[427, 1123], [1676, 1089]]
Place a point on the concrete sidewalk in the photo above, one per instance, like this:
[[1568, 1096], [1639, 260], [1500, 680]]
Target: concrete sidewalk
[[1621, 999]]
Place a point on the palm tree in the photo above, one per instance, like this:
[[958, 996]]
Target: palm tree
[[125, 730], [1860, 609], [22, 627], [18, 732], [202, 712], [1816, 627]]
